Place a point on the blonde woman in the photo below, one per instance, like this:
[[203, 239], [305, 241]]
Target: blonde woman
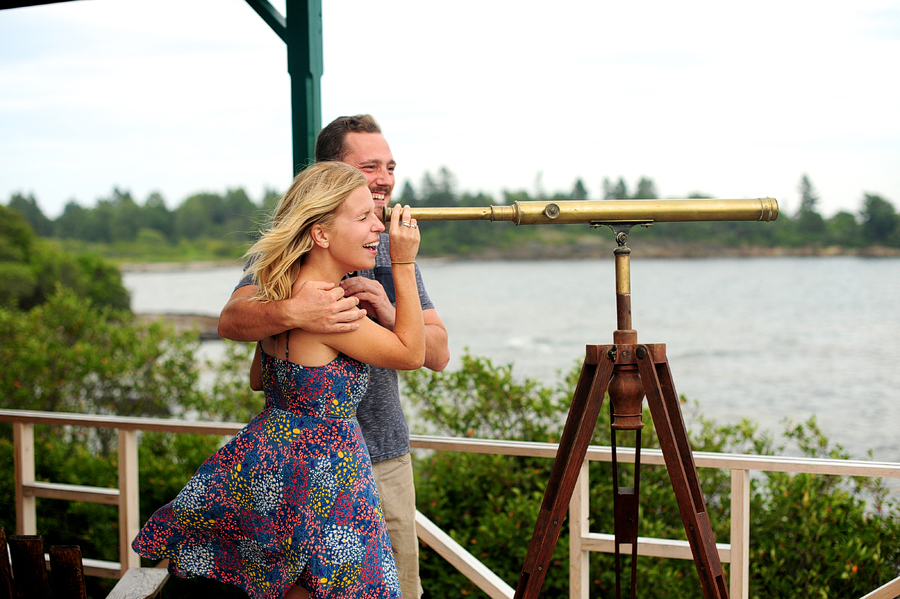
[[289, 508]]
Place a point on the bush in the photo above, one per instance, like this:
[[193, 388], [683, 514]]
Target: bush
[[67, 355], [32, 269], [70, 344]]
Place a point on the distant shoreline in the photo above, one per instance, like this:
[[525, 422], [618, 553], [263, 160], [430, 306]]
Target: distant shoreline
[[580, 251], [167, 266]]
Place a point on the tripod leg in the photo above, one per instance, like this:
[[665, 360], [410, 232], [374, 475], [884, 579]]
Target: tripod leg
[[676, 450], [580, 423], [626, 510]]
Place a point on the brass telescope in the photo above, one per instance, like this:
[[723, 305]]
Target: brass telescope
[[601, 212]]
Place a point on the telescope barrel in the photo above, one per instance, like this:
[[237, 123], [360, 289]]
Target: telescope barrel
[[607, 211]]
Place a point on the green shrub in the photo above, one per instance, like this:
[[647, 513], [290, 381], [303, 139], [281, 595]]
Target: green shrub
[[66, 355]]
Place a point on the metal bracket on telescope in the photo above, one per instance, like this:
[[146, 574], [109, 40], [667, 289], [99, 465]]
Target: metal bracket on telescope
[[615, 225], [620, 230]]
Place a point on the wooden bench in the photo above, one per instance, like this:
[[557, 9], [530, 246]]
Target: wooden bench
[[24, 575]]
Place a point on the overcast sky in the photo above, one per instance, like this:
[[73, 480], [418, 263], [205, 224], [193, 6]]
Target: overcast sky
[[728, 99]]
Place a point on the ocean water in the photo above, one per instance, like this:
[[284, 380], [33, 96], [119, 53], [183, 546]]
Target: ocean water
[[769, 339]]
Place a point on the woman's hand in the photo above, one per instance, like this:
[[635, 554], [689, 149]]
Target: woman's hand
[[404, 236]]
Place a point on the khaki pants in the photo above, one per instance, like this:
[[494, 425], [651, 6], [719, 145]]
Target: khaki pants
[[397, 490]]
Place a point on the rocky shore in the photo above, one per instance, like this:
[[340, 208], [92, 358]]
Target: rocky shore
[[206, 326]]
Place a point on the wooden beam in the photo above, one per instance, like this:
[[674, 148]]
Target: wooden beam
[[461, 559], [17, 4]]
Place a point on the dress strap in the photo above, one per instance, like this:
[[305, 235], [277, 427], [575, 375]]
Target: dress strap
[[287, 337]]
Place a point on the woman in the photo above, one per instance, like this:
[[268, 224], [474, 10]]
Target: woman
[[288, 508]]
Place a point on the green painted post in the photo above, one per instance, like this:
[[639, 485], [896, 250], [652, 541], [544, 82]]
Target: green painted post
[[305, 66]]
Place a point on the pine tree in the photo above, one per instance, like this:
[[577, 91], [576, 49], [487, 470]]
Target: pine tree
[[619, 191], [579, 191]]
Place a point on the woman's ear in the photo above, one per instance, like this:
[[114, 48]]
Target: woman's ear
[[319, 236]]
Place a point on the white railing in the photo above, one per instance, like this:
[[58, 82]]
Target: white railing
[[581, 542]]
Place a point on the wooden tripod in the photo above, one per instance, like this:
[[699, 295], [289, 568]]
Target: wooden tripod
[[629, 371]]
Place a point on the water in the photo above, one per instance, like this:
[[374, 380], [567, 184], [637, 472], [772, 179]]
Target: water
[[762, 338]]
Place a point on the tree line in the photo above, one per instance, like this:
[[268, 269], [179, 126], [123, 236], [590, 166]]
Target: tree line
[[210, 225], [120, 218], [33, 269]]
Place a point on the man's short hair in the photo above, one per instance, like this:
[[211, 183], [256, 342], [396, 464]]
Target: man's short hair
[[330, 142]]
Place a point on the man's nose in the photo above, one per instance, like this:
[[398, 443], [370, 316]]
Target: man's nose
[[383, 176]]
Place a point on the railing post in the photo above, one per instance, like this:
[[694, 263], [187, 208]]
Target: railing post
[[26, 512], [129, 499], [579, 527], [740, 534]]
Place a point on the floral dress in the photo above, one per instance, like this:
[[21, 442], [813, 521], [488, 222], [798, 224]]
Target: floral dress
[[289, 499]]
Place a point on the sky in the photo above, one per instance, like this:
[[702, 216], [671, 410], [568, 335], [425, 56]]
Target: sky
[[732, 100]]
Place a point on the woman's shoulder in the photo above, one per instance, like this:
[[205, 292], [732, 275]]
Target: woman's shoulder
[[299, 347]]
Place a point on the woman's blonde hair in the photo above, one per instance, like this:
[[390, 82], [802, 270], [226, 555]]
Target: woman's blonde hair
[[313, 198]]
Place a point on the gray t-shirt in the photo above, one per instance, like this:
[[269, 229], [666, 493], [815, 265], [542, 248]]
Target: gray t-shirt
[[380, 414]]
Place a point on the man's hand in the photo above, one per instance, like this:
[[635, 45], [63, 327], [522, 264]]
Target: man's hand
[[372, 298], [315, 306], [324, 308]]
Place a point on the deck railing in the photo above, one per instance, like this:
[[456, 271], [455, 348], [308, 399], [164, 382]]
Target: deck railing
[[582, 540]]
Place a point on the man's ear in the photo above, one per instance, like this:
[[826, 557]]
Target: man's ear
[[319, 236]]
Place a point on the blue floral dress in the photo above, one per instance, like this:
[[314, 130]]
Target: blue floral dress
[[289, 499]]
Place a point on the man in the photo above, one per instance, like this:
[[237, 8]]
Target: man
[[320, 307]]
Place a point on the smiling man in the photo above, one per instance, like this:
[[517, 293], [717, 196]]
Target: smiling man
[[321, 307]]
